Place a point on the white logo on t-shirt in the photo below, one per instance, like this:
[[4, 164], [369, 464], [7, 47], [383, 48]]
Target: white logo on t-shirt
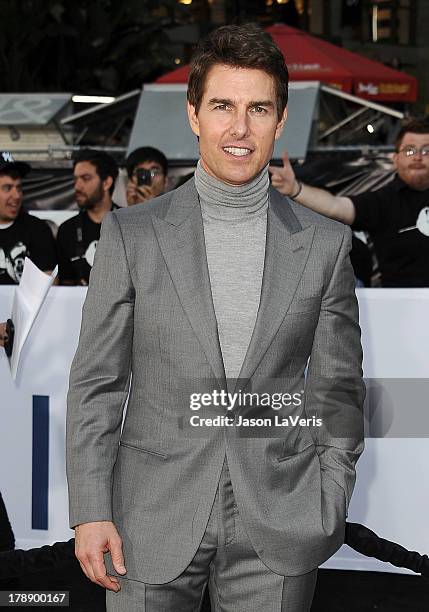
[[422, 222], [12, 262], [90, 252]]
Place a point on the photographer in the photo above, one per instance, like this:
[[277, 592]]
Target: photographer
[[147, 174]]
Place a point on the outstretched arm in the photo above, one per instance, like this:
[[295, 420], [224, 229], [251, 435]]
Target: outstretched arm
[[321, 201]]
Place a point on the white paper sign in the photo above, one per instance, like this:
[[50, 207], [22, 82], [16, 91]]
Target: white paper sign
[[29, 297]]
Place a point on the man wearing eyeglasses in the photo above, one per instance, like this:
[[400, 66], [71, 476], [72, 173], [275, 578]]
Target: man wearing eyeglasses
[[147, 174], [396, 216]]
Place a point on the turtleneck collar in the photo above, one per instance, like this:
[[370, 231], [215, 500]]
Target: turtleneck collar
[[232, 202]]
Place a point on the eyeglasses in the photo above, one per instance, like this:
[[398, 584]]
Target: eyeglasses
[[411, 151], [157, 172], [154, 172]]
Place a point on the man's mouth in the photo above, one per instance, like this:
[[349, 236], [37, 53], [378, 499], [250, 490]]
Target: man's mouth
[[238, 151]]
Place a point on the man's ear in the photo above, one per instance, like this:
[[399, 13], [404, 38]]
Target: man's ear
[[107, 183], [193, 119], [281, 124]]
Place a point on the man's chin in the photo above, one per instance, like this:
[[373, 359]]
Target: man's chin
[[8, 219], [84, 205], [417, 181]]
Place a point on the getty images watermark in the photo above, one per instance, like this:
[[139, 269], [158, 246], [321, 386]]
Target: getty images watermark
[[253, 410], [270, 407], [330, 406]]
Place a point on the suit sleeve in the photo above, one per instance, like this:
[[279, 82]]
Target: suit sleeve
[[335, 390], [99, 379]]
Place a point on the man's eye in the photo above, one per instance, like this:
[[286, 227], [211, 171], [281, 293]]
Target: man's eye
[[259, 110], [221, 107]]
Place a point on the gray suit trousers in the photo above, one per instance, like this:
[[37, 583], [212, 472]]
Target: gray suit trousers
[[226, 561]]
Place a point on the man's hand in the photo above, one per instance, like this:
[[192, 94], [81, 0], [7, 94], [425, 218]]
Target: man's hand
[[136, 195], [3, 334], [92, 541], [284, 178]]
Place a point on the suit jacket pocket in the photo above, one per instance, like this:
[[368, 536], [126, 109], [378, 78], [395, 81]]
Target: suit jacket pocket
[[140, 449]]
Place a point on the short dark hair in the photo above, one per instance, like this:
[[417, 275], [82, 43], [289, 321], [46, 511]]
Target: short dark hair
[[12, 173], [413, 125], [239, 46], [145, 154], [104, 164]]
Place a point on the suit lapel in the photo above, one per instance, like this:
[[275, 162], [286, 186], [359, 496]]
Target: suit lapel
[[180, 236], [286, 253]]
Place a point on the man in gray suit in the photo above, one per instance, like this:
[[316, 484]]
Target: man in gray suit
[[220, 287]]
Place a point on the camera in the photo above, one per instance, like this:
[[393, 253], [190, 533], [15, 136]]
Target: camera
[[144, 177]]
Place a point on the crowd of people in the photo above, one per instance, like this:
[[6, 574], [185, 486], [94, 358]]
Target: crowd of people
[[95, 172], [396, 217]]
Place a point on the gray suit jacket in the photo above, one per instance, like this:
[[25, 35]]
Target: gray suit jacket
[[149, 313]]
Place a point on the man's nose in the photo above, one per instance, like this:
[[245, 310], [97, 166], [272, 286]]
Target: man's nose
[[239, 127]]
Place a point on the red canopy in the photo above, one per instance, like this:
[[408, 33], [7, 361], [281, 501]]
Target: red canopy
[[312, 59]]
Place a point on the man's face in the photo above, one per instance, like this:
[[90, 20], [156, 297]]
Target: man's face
[[10, 198], [413, 169], [89, 189], [237, 123], [158, 179]]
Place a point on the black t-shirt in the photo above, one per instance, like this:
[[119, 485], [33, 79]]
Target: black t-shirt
[[403, 256], [30, 237], [361, 259], [76, 241]]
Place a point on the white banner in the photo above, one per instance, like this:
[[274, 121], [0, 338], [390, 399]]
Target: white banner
[[32, 416], [392, 492]]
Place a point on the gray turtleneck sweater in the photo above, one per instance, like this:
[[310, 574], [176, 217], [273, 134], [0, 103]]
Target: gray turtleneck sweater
[[235, 224]]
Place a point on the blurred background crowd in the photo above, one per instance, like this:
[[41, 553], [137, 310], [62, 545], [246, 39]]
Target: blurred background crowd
[[107, 126]]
